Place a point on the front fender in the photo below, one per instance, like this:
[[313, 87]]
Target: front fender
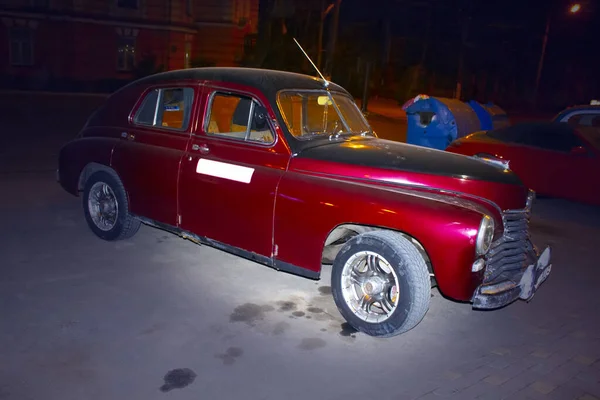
[[308, 207]]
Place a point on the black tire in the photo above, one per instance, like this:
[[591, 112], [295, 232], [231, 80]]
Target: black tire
[[413, 278], [126, 224]]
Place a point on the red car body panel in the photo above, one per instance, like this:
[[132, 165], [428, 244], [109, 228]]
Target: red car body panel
[[569, 175], [210, 206], [295, 200], [310, 206], [97, 150]]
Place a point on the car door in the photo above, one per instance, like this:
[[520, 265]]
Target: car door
[[149, 155], [231, 172]]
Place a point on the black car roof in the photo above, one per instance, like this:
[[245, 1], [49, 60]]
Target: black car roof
[[267, 80]]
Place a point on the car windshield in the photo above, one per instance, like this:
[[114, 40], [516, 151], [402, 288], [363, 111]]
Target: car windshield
[[309, 114]]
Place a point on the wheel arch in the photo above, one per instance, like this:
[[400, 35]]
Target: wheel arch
[[92, 168], [343, 232]]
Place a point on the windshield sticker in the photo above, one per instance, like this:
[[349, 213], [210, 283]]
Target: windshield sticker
[[223, 170]]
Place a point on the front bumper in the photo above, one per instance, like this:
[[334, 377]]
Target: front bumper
[[517, 284]]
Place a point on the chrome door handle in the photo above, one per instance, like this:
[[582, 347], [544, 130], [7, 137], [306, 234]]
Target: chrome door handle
[[201, 148]]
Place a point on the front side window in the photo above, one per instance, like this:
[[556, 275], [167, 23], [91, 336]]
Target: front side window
[[125, 53], [168, 108], [238, 117], [310, 114], [21, 46]]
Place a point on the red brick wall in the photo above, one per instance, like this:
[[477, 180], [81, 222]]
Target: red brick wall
[[222, 44], [87, 51], [168, 47], [93, 53]]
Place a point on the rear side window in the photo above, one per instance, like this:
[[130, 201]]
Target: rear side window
[[167, 108]]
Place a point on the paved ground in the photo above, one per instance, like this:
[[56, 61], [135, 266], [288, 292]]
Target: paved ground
[[85, 319]]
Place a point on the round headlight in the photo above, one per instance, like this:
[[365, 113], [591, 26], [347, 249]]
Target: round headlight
[[485, 235]]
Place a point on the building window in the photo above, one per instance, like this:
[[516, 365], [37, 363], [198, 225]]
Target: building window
[[130, 4], [241, 12], [187, 55], [125, 53], [21, 46]]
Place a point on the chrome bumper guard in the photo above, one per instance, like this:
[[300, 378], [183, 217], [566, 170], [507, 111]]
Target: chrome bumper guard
[[514, 268], [519, 285]]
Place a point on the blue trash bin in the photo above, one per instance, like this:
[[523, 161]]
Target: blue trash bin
[[490, 115], [435, 122]]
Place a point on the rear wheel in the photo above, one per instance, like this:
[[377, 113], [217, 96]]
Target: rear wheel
[[106, 207], [380, 283]]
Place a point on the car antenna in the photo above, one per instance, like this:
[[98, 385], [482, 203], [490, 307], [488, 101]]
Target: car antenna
[[313, 64]]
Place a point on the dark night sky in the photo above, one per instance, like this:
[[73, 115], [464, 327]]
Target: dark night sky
[[498, 31], [503, 43], [491, 21]]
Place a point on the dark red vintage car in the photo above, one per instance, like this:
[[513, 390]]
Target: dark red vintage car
[[556, 159], [283, 169]]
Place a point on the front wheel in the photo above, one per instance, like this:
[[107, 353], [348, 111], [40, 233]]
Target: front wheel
[[106, 207], [380, 283]]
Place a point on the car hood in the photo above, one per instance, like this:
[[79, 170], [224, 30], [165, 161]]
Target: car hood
[[402, 157], [417, 169]]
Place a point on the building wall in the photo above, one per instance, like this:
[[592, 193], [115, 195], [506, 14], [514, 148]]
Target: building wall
[[79, 40]]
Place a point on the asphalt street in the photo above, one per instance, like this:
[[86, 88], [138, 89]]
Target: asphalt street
[[158, 317]]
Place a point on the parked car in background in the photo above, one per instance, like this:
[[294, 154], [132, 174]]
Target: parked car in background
[[558, 158], [283, 169], [585, 115]]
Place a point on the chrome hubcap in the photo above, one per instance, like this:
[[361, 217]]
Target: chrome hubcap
[[103, 206], [370, 286]]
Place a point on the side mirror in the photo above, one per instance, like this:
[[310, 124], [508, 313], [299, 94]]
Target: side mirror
[[579, 151], [260, 121]]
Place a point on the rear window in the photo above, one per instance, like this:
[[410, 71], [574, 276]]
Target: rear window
[[553, 136]]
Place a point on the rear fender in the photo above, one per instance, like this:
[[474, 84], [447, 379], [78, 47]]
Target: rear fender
[[79, 153]]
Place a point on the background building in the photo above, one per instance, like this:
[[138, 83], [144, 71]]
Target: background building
[[101, 43]]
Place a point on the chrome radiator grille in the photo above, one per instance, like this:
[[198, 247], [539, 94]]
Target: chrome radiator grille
[[513, 251]]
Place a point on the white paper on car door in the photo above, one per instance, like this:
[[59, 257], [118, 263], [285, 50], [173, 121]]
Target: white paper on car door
[[223, 170]]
